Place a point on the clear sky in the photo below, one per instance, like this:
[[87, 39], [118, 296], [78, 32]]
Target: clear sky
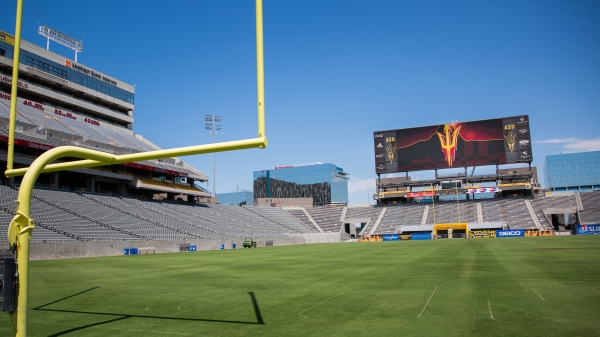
[[336, 71]]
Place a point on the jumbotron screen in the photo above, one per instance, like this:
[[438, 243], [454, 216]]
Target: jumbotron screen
[[486, 142]]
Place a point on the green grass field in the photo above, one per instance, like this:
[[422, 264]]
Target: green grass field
[[477, 287]]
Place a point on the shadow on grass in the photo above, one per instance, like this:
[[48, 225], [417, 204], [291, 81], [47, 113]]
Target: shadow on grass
[[119, 317]]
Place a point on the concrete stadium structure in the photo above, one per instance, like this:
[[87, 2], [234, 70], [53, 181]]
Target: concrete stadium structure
[[62, 102]]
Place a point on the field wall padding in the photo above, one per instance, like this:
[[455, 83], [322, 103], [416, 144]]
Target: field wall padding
[[57, 250]]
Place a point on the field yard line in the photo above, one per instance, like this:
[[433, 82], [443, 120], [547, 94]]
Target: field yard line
[[300, 313], [200, 299], [274, 292], [427, 302], [596, 290], [491, 315], [531, 313], [119, 329], [538, 294], [510, 292]]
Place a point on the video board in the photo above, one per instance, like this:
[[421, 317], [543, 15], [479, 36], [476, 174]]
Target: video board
[[486, 142]]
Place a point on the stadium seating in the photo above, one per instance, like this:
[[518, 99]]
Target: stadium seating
[[399, 215], [279, 216], [328, 218], [448, 212], [68, 216], [60, 130], [539, 204], [511, 211], [363, 212], [591, 207]]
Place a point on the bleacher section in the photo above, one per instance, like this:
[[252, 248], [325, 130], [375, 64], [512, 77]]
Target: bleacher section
[[399, 215], [279, 216], [67, 216], [328, 218], [299, 214], [511, 211], [551, 202], [591, 207], [448, 212], [58, 130], [362, 213]]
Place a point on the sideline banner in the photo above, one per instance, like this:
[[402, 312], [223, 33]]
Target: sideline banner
[[484, 190], [390, 237], [588, 229], [420, 194], [510, 233], [421, 236]]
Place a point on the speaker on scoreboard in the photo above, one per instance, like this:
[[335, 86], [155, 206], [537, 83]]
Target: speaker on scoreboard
[[8, 269]]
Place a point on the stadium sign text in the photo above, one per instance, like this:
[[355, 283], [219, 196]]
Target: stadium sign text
[[91, 121], [420, 194], [510, 233], [588, 229], [34, 105], [21, 142], [89, 72], [64, 114], [9, 80]]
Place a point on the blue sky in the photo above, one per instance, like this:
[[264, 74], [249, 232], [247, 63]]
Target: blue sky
[[336, 71]]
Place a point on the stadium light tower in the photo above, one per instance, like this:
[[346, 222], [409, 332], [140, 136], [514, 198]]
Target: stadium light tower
[[212, 127], [58, 37]]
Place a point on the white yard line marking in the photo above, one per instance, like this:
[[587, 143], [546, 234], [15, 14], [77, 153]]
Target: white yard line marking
[[200, 299], [427, 302], [596, 290], [510, 292], [490, 307], [531, 313], [329, 299], [266, 295], [538, 294], [119, 329]]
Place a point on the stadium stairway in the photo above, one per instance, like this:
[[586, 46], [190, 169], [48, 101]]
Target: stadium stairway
[[302, 215], [328, 218]]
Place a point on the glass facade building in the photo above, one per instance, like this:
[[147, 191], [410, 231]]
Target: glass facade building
[[236, 198], [573, 171], [324, 183], [66, 73]]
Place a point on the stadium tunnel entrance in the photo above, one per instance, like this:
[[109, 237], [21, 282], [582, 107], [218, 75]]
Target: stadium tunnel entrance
[[350, 229], [450, 230], [563, 221]]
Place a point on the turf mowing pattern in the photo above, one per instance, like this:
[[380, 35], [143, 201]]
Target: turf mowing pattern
[[536, 286]]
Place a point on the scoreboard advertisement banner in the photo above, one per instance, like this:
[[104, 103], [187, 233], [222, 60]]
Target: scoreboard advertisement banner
[[486, 142]]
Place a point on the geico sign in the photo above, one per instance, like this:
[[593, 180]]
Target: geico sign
[[511, 233]]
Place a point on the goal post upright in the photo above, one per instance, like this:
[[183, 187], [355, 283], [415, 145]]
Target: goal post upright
[[21, 227], [14, 86]]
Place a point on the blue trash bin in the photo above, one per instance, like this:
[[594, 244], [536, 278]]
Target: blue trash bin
[[233, 246], [222, 246], [126, 251], [133, 251]]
